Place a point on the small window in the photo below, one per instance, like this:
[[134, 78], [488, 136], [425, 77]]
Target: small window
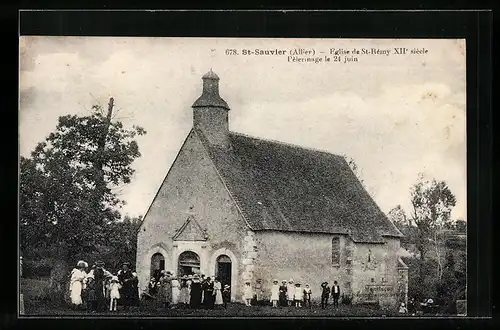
[[336, 251]]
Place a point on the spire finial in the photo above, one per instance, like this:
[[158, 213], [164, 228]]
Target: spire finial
[[212, 53]]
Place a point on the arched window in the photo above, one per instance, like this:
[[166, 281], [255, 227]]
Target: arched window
[[336, 251]]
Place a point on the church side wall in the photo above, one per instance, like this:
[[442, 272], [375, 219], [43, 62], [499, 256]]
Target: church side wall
[[375, 272], [303, 257], [192, 181]]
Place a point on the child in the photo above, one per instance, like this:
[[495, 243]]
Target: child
[[283, 293], [325, 293], [248, 293], [226, 295], [290, 290], [307, 296], [299, 295], [402, 309], [114, 293], [275, 293], [91, 296]]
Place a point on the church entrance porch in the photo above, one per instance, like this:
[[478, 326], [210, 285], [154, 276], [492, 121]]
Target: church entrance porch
[[188, 263]]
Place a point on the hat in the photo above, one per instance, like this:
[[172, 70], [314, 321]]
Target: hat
[[284, 281], [402, 304], [275, 281], [324, 284], [190, 276], [134, 274], [290, 280], [227, 286], [168, 272], [196, 276], [126, 263], [114, 279], [90, 276], [297, 284], [247, 282], [80, 263], [307, 284]]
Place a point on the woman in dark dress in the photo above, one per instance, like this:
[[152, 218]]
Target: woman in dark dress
[[208, 294], [195, 294]]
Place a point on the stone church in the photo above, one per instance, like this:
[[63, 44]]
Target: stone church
[[245, 208]]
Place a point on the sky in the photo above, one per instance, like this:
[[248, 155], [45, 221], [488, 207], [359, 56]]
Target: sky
[[395, 115]]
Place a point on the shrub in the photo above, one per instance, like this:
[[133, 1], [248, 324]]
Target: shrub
[[347, 299]]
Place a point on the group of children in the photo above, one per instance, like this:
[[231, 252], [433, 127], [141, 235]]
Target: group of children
[[290, 293]]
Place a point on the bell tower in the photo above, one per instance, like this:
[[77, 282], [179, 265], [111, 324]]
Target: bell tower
[[210, 112]]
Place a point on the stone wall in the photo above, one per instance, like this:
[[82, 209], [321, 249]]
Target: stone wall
[[191, 182], [306, 258], [375, 273]]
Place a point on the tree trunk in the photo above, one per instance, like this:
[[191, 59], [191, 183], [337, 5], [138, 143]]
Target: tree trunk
[[59, 282]]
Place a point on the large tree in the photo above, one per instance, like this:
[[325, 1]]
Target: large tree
[[67, 186]]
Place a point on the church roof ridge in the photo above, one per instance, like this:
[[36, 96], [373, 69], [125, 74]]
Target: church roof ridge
[[287, 144]]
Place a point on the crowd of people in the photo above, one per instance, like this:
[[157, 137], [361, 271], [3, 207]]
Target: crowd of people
[[188, 291], [98, 289]]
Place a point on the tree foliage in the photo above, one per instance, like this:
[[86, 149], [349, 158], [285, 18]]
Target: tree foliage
[[67, 195]]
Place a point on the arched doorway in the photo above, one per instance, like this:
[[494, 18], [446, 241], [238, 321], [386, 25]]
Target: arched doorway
[[188, 264], [157, 265], [223, 269]]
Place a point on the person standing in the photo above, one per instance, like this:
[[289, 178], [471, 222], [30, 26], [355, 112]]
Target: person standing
[[290, 292], [247, 293], [114, 293], [275, 293], [258, 291], [100, 276], [195, 292], [176, 291], [282, 297], [307, 296], [167, 285], [76, 284], [226, 295], [298, 295], [335, 294], [125, 278], [91, 296], [325, 294], [184, 294], [208, 293], [218, 301]]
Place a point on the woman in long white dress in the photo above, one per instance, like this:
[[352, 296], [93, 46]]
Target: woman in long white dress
[[218, 293], [176, 291], [275, 293], [78, 275]]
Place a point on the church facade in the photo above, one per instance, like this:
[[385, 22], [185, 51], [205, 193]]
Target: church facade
[[244, 208]]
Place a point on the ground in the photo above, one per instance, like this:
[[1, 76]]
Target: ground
[[45, 308]]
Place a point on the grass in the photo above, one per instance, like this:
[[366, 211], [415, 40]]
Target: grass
[[44, 308]]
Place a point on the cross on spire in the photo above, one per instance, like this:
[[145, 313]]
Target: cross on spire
[[212, 53]]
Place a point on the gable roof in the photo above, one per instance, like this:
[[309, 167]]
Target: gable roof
[[288, 188]]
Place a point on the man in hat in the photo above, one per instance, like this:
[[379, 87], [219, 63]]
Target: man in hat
[[335, 294], [208, 294], [282, 298], [126, 279], [195, 293], [325, 293]]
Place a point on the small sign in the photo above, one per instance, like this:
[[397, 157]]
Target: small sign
[[377, 289]]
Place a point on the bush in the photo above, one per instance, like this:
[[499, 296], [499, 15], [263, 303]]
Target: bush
[[347, 299]]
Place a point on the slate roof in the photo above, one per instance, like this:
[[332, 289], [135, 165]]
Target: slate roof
[[282, 187]]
